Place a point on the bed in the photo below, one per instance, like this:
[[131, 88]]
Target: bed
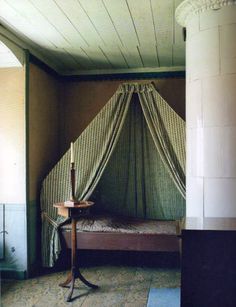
[[109, 232], [130, 161]]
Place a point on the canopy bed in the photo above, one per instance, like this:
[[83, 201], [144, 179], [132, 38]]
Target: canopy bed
[[130, 161]]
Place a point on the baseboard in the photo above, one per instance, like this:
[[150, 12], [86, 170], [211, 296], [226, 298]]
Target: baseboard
[[11, 274]]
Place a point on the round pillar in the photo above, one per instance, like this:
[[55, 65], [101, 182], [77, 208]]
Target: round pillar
[[210, 106]]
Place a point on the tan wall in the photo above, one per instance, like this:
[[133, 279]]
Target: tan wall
[[12, 135], [83, 100], [43, 126]]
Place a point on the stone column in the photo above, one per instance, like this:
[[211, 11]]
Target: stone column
[[210, 106]]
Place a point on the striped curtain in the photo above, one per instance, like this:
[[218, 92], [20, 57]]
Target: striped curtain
[[136, 182], [168, 133], [93, 150]]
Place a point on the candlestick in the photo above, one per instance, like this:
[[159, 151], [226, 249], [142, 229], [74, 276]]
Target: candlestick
[[72, 157], [73, 200], [72, 178]]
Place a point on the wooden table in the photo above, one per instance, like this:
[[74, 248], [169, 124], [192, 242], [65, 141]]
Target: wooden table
[[74, 212], [208, 273]]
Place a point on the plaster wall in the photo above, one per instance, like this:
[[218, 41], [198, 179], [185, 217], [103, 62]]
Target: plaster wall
[[44, 106], [43, 146], [12, 169], [12, 128], [82, 101]]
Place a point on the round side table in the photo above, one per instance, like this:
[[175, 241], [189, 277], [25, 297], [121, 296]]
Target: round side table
[[74, 211]]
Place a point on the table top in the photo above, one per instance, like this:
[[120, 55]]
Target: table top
[[77, 205], [208, 223]]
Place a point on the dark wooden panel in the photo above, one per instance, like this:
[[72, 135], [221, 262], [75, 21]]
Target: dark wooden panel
[[123, 241], [208, 268]]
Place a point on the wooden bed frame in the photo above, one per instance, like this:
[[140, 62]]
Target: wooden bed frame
[[120, 241], [123, 241], [113, 240]]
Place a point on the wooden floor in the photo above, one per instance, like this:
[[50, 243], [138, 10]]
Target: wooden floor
[[120, 285]]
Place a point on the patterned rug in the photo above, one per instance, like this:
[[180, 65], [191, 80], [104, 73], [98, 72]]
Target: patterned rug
[[120, 285], [164, 297]]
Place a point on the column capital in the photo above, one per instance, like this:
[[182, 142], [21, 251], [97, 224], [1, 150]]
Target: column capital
[[191, 7]]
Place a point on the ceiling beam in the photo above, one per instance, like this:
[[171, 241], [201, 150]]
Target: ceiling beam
[[125, 71]]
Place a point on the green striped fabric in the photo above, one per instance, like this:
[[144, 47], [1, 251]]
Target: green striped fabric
[[164, 131], [136, 182]]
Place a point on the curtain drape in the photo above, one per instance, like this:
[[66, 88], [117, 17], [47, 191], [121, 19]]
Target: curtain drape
[[168, 132], [94, 148], [136, 182], [92, 151]]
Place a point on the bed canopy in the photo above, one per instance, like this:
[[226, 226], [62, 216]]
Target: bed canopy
[[143, 177]]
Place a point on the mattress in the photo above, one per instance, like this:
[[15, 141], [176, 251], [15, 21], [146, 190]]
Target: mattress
[[109, 223]]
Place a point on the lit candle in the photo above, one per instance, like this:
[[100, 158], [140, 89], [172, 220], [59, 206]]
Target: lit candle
[[72, 158]]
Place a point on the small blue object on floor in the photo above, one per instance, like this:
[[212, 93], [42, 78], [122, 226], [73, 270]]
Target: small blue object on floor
[[164, 297]]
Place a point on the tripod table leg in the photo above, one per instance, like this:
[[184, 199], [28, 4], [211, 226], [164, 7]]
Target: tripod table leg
[[68, 280], [75, 272], [68, 299], [87, 283]]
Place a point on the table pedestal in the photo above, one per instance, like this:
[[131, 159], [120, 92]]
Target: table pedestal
[[74, 212]]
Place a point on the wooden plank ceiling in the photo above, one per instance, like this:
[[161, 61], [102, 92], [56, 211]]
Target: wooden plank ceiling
[[91, 36]]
